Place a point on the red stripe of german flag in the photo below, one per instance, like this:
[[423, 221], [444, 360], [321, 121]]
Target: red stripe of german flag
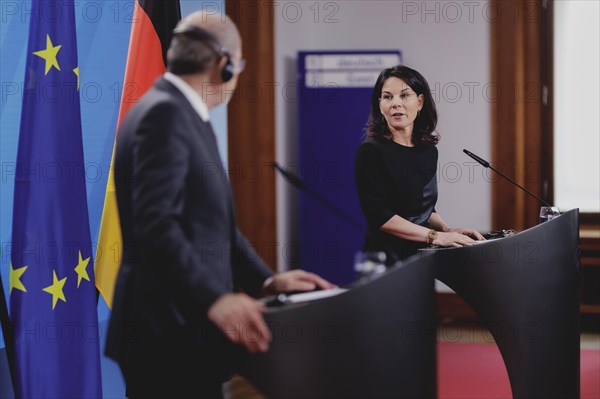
[[151, 32]]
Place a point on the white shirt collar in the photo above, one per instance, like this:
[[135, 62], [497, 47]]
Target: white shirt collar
[[190, 94]]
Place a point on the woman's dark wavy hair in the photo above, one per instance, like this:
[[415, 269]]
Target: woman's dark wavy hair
[[424, 128]]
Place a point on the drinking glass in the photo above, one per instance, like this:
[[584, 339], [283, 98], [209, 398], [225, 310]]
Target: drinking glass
[[369, 264], [548, 212]]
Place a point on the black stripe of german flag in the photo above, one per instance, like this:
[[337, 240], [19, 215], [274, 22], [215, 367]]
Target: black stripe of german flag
[[164, 15]]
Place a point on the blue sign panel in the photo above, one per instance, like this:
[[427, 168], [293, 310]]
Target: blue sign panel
[[334, 103]]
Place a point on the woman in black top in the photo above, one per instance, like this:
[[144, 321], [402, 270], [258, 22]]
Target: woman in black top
[[395, 169]]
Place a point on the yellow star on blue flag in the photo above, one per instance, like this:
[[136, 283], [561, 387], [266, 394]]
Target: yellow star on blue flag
[[49, 55], [81, 269], [15, 278], [56, 289]]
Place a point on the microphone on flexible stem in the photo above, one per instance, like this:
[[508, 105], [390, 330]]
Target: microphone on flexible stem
[[301, 185], [486, 164]]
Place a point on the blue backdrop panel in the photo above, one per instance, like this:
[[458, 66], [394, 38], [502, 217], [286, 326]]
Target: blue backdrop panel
[[334, 103]]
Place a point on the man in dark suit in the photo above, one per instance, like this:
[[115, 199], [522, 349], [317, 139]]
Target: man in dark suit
[[182, 296]]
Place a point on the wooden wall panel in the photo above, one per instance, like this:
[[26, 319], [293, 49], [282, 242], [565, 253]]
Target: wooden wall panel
[[251, 126], [516, 37]]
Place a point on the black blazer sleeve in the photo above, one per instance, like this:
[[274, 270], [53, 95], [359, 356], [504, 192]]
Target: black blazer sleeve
[[249, 270]]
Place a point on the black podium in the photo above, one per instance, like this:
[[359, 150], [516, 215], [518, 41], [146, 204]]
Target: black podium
[[378, 339], [525, 288], [375, 339]]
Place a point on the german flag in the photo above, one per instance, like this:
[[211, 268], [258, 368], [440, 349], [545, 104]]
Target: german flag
[[151, 32]]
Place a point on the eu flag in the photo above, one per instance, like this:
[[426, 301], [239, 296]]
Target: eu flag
[[52, 292]]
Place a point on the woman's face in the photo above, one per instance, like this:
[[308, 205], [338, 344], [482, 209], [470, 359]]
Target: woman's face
[[399, 105]]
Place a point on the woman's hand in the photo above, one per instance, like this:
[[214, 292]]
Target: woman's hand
[[436, 222], [453, 239], [474, 234]]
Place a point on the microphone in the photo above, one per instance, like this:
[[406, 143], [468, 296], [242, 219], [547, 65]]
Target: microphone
[[486, 164], [482, 161], [293, 179], [301, 185]]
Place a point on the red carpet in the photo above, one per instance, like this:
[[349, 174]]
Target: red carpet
[[476, 371]]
